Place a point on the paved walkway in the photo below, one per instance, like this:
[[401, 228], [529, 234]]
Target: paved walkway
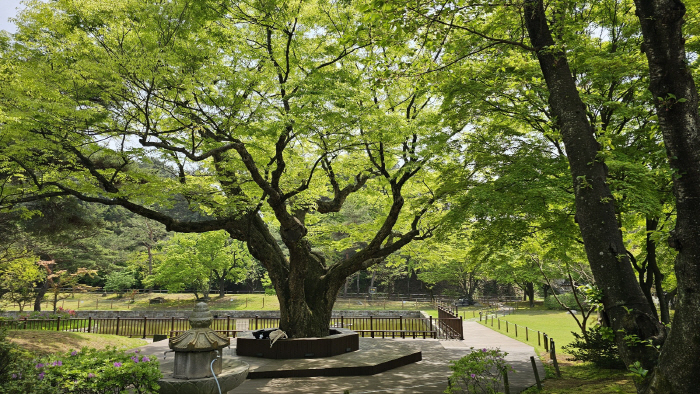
[[428, 376]]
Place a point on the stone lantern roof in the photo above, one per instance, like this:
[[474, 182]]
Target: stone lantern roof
[[199, 338]]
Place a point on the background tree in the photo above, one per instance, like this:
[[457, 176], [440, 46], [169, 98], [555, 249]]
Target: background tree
[[119, 281], [196, 262], [19, 275]]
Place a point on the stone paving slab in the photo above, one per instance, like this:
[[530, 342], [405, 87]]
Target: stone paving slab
[[428, 376]]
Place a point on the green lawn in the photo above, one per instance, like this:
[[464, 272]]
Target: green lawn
[[581, 378], [251, 302], [556, 324], [48, 342]]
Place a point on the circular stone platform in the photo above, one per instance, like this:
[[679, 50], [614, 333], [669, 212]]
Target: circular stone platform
[[340, 341], [233, 374]]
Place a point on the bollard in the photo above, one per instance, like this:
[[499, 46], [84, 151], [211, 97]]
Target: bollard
[[506, 384], [537, 374], [553, 355]]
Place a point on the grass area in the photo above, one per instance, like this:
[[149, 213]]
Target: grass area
[[556, 324], [47, 342], [251, 302], [584, 378]]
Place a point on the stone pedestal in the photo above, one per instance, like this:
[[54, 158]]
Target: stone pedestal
[[195, 365], [233, 374]]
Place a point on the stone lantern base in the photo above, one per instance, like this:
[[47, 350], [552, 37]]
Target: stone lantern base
[[196, 365]]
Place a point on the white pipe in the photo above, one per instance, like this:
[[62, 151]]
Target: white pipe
[[211, 366]]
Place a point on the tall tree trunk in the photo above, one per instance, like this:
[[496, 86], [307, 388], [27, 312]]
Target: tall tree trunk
[[676, 100], [530, 292], [595, 211], [40, 293], [222, 287]]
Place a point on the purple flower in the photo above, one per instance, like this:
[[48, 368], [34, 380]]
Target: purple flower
[[57, 363], [146, 359], [135, 359], [484, 350], [473, 376], [91, 375], [41, 376], [137, 351], [74, 353], [40, 365], [14, 376], [117, 364]]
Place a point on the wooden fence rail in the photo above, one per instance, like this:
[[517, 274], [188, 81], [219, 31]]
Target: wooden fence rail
[[450, 323], [447, 327]]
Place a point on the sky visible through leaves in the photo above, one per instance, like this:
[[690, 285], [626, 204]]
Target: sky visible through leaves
[[8, 9]]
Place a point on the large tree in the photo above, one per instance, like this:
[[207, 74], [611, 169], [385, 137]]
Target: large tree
[[263, 116], [676, 101]]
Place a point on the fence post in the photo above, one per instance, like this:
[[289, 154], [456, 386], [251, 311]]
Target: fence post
[[538, 339], [256, 322], [431, 328], [553, 355], [117, 333], [228, 325], [400, 322], [144, 326], [499, 323], [545, 339], [89, 323], [506, 325], [506, 384], [537, 374], [342, 321], [58, 324], [172, 325], [371, 326], [516, 330]]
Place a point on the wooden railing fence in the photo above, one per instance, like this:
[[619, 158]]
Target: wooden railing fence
[[445, 327]]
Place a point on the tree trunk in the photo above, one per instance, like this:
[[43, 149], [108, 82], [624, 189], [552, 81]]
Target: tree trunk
[[530, 292], [41, 292], [595, 211], [222, 287], [676, 99]]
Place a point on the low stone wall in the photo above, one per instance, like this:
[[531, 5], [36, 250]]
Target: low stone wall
[[233, 314]]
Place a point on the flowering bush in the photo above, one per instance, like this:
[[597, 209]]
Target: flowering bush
[[60, 312], [481, 371], [87, 371]]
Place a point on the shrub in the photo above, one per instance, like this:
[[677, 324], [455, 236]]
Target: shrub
[[9, 355], [598, 347], [88, 371], [567, 298], [60, 312], [481, 371]]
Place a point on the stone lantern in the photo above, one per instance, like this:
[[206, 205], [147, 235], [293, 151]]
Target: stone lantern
[[197, 347]]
